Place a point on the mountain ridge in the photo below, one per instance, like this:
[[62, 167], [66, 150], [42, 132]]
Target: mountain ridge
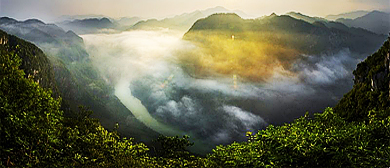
[[348, 15], [284, 23], [73, 69], [88, 25], [375, 21], [35, 64], [183, 21]]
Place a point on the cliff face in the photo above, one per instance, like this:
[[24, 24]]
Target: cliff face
[[371, 89], [375, 70], [35, 64]]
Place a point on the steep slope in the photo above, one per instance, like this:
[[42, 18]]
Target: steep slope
[[353, 134], [29, 115], [34, 62], [66, 45], [79, 83], [35, 133], [375, 21], [372, 82]]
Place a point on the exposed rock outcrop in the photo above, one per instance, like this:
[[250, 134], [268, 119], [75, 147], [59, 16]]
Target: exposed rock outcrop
[[35, 64], [375, 70], [371, 90]]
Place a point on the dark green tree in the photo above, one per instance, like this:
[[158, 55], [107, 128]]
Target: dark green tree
[[30, 118]]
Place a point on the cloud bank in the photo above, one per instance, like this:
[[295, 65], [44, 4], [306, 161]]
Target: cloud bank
[[215, 109]]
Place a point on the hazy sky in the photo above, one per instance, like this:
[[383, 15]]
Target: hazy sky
[[50, 9]]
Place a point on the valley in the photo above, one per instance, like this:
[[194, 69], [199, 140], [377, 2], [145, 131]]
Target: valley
[[244, 89]]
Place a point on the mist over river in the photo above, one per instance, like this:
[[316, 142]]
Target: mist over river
[[151, 81]]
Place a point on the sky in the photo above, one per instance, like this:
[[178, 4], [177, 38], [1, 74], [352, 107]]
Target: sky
[[49, 10]]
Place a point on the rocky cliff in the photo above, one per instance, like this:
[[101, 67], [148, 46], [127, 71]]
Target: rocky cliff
[[375, 70], [372, 86], [35, 64]]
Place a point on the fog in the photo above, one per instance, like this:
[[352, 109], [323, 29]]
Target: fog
[[149, 79]]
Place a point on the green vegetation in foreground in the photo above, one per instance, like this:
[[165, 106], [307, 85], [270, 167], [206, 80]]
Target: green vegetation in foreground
[[34, 133], [371, 89]]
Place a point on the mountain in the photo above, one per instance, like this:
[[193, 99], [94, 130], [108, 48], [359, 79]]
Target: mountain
[[323, 38], [87, 26], [34, 63], [78, 82], [363, 113], [36, 133], [372, 82], [330, 24], [349, 15], [278, 39], [45, 35], [65, 18], [127, 21], [375, 21], [181, 22], [306, 18]]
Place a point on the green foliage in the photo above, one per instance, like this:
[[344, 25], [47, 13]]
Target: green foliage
[[371, 89], [325, 141], [87, 143], [30, 117], [173, 147], [34, 133], [33, 62]]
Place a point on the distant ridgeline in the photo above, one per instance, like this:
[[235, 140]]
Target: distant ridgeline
[[287, 31], [65, 45], [371, 89], [252, 48], [85, 26]]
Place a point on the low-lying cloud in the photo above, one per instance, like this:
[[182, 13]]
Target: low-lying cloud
[[215, 109], [327, 69]]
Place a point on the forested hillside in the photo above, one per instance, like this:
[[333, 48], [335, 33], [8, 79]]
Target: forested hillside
[[251, 48], [35, 133], [77, 81]]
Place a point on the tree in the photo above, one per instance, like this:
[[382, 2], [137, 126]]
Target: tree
[[30, 118]]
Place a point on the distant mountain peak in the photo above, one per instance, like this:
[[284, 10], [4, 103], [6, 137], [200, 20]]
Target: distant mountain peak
[[273, 14], [375, 12], [28, 21], [7, 20], [230, 15], [217, 8], [348, 15], [33, 21], [293, 12], [375, 21], [306, 18]]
